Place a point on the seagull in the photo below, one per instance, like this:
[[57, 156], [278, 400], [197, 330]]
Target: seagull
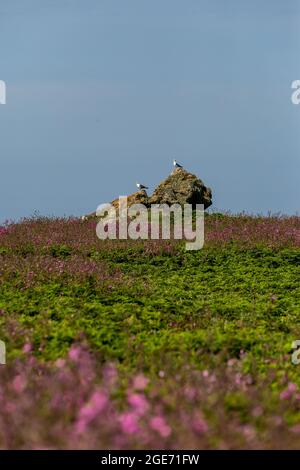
[[176, 165], [141, 186]]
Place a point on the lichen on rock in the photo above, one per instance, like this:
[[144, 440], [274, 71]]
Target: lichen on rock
[[182, 187]]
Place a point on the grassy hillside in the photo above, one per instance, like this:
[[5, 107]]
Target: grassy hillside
[[127, 344]]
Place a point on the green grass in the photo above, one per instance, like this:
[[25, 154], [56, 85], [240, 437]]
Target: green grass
[[198, 307], [210, 330]]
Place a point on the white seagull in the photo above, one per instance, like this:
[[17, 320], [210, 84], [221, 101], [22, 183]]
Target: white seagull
[[141, 186], [176, 165]]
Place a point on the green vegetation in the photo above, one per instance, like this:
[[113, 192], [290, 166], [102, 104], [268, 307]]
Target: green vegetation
[[187, 306], [152, 306]]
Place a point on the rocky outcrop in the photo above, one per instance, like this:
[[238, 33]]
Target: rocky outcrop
[[182, 187], [140, 197]]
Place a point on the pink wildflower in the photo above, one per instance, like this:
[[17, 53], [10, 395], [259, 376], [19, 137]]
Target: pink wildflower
[[158, 423], [91, 410], [289, 391], [19, 383], [140, 382], [129, 423], [139, 403], [27, 348], [74, 353]]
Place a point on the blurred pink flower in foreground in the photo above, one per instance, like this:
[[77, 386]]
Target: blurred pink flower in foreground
[[199, 425], [139, 403], [289, 391], [158, 423], [27, 348], [74, 353], [129, 423], [19, 383], [91, 410], [140, 382]]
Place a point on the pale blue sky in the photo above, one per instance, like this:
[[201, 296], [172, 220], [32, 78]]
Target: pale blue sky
[[103, 93]]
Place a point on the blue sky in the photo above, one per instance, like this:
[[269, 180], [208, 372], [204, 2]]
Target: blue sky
[[103, 93]]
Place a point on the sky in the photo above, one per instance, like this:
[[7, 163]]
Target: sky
[[104, 93]]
